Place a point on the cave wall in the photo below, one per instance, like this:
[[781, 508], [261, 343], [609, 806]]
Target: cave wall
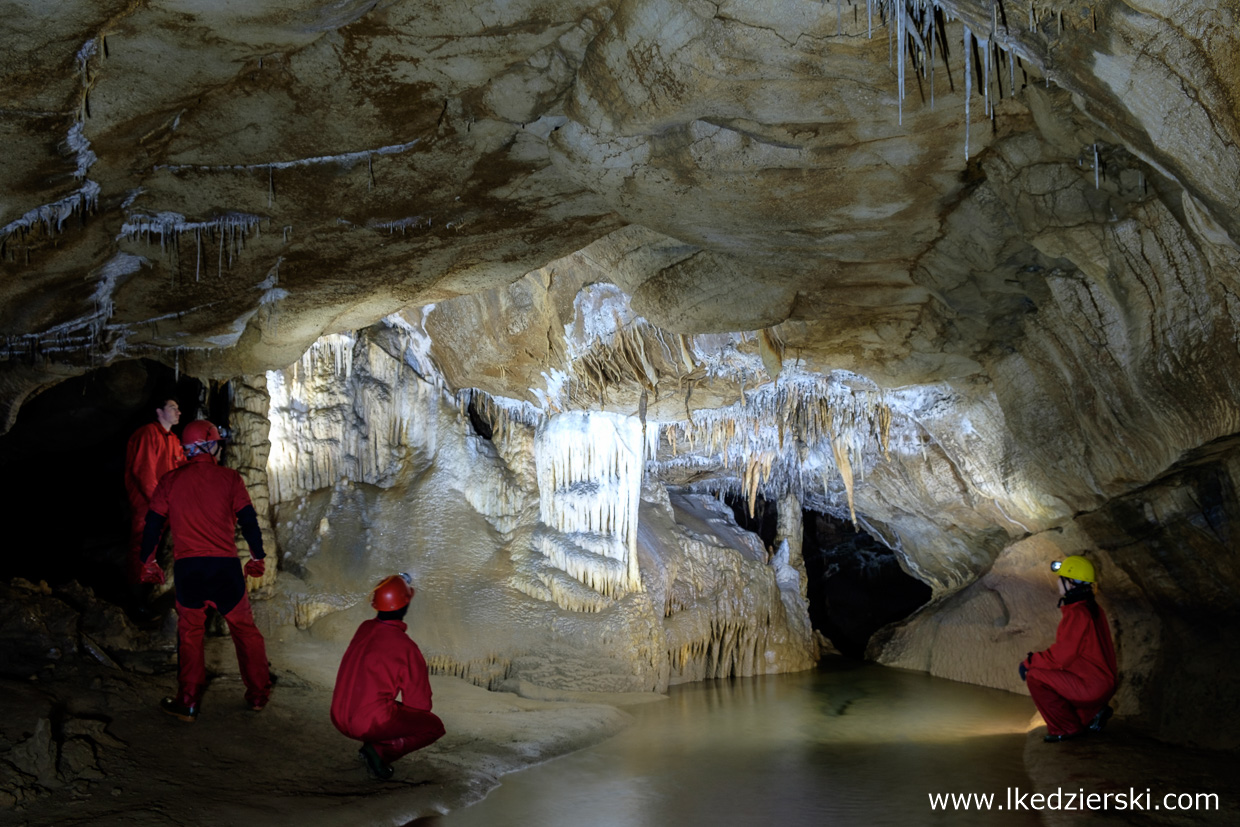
[[62, 469], [1166, 567]]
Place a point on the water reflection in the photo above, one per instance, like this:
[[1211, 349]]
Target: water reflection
[[848, 744]]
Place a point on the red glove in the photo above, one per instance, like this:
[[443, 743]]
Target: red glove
[[151, 573], [255, 568]]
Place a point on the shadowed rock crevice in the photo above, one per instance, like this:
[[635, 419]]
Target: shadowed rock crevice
[[856, 585]]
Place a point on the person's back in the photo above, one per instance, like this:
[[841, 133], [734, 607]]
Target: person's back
[[202, 502], [381, 663], [1083, 625], [202, 499]]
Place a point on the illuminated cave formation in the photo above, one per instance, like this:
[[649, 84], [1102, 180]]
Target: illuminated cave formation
[[534, 303]]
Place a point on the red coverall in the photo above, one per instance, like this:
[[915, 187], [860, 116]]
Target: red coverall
[[151, 453], [201, 500], [1071, 681], [381, 663]]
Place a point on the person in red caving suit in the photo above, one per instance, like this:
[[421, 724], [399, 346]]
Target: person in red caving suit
[[1072, 681], [202, 502], [152, 451], [381, 663]]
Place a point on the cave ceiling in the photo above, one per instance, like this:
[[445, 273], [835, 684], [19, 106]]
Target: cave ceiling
[[218, 184]]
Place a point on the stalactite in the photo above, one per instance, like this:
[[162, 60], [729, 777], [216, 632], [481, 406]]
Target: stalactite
[[905, 21], [487, 672], [231, 230], [813, 413], [589, 468], [843, 464]]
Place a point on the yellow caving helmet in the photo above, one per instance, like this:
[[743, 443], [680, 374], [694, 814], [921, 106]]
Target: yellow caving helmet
[[1075, 568]]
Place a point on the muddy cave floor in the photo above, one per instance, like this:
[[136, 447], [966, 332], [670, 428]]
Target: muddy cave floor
[[97, 750], [91, 747]]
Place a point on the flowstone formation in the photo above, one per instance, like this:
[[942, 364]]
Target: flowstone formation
[[964, 273], [540, 557]]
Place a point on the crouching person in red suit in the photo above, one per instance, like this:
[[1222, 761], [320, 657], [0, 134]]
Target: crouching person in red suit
[[1072, 681], [202, 502], [381, 663]]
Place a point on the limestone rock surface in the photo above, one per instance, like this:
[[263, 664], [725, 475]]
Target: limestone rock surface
[[966, 275]]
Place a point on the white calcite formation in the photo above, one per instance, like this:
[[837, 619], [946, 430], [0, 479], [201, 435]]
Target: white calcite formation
[[590, 469], [543, 554]]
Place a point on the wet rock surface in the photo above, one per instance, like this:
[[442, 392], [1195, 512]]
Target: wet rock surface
[[88, 744], [1164, 579], [1158, 784]]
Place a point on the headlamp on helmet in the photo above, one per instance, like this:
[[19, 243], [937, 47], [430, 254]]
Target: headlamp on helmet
[[199, 435], [1076, 568]]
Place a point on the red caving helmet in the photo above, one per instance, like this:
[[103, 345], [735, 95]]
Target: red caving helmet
[[392, 594], [198, 432]]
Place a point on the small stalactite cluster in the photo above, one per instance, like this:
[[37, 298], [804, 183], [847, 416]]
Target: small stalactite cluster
[[503, 417], [554, 570], [782, 430], [726, 616], [732, 648], [45, 222], [917, 40], [218, 241], [631, 353], [89, 336], [323, 427], [488, 672], [596, 569], [510, 488]]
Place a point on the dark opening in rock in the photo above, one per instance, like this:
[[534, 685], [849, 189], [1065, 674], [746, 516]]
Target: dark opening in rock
[[856, 584], [765, 519], [481, 427], [62, 466]]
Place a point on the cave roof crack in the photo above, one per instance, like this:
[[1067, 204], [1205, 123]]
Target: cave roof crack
[[35, 113], [176, 314], [355, 156], [1182, 261], [795, 43], [1194, 94]]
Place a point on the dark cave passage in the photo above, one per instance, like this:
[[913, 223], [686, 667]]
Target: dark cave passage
[[63, 466], [856, 585]]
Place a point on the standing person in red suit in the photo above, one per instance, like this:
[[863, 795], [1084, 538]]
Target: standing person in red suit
[[1072, 681], [380, 664], [202, 502], [153, 451]]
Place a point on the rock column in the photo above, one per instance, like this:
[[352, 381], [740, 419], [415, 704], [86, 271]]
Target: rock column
[[248, 453], [790, 527]]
